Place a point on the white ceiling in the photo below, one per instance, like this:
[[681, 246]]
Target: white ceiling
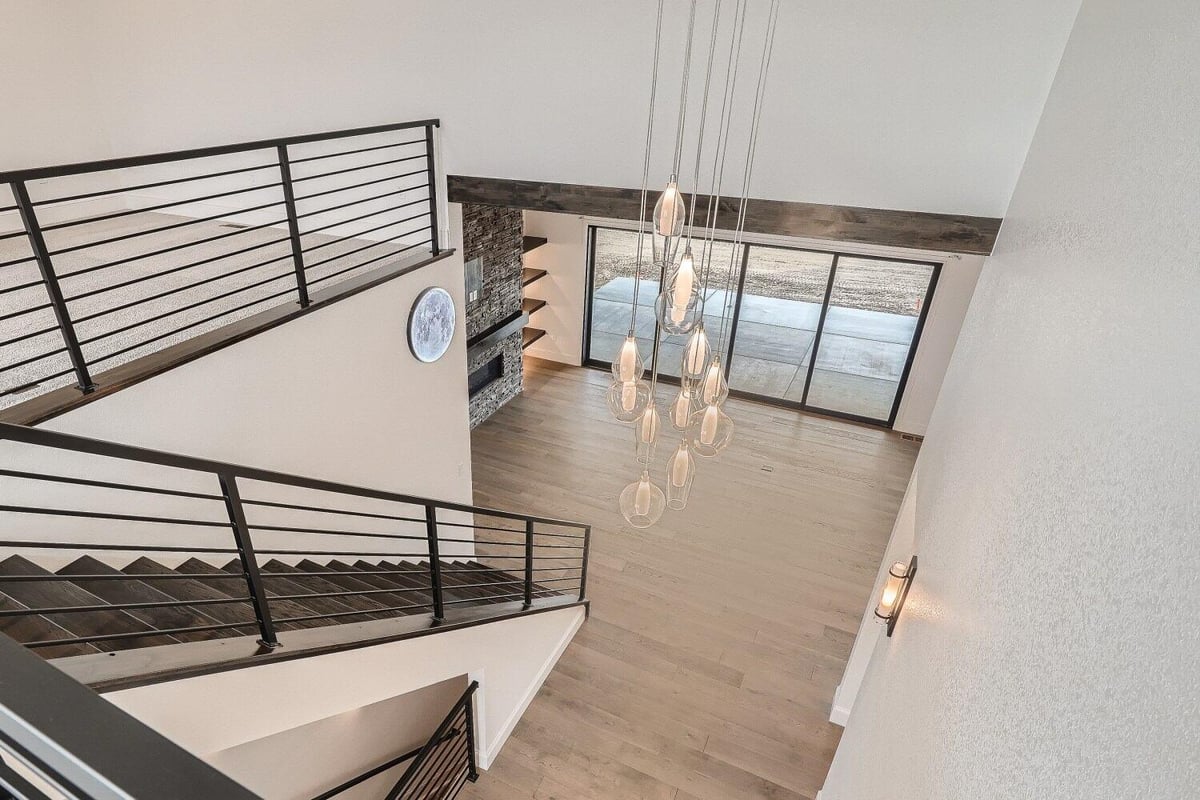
[[913, 104]]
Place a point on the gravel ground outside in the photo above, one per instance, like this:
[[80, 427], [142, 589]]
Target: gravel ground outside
[[866, 284]]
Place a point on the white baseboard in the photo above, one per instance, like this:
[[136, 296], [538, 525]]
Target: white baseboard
[[488, 754]]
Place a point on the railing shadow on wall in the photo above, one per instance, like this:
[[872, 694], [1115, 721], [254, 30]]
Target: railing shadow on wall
[[107, 262]]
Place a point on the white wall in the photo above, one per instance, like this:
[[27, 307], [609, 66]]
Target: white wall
[[923, 105], [1048, 648], [564, 257], [510, 659], [300, 763]]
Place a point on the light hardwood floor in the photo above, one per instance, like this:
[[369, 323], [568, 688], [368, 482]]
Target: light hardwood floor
[[716, 637]]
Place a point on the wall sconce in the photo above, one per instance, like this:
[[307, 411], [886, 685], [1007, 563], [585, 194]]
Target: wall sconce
[[895, 589]]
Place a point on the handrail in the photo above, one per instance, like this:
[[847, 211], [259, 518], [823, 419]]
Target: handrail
[[431, 762]]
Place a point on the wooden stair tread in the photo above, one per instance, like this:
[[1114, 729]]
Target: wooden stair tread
[[236, 585], [280, 579], [187, 590], [36, 628], [51, 594], [353, 583]]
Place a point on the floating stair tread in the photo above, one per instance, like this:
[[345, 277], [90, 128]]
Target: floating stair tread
[[532, 243], [530, 274], [38, 629], [531, 304], [530, 335], [353, 583], [236, 587], [52, 594], [190, 590]]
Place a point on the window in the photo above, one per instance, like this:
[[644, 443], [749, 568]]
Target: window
[[859, 316]]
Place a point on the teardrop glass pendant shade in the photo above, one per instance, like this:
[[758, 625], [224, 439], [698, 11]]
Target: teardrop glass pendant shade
[[710, 432], [627, 399], [681, 471], [646, 433], [670, 211], [642, 503], [713, 387], [682, 408], [696, 355], [628, 365], [678, 305]]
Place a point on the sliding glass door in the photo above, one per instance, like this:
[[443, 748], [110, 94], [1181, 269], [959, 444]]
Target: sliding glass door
[[830, 332]]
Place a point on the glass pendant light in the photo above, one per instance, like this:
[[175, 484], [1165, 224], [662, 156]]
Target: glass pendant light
[[642, 503], [696, 354], [682, 409], [678, 304], [710, 432], [670, 211], [628, 365], [714, 388], [628, 399], [646, 433], [681, 471]]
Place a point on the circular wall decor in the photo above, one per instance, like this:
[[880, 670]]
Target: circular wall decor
[[431, 324]]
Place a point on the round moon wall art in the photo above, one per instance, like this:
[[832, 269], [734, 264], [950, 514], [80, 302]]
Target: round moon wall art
[[431, 324]]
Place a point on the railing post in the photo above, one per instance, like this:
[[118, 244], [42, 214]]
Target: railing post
[[241, 535], [432, 169], [289, 202], [528, 563], [587, 545], [435, 567], [37, 243], [472, 770]]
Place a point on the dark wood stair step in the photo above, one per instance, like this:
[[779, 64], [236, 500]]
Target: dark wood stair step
[[281, 579], [135, 591], [60, 593], [35, 628], [353, 583], [407, 593], [235, 586], [191, 590]]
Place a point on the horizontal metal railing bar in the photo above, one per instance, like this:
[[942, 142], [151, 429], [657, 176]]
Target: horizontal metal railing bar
[[339, 223], [389, 240], [339, 614], [25, 386], [325, 595], [164, 228], [361, 167], [520, 530], [182, 328], [353, 574], [122, 576], [519, 596], [6, 209], [22, 286], [357, 234], [24, 311], [180, 309], [130, 212], [32, 359], [548, 569], [32, 335], [360, 553], [362, 264], [330, 532], [156, 548], [512, 544], [153, 185], [123, 606], [167, 293], [373, 182], [82, 444], [113, 637], [357, 202], [171, 249], [353, 152], [132, 487], [202, 152], [16, 261], [13, 235], [191, 265], [72, 512], [297, 507]]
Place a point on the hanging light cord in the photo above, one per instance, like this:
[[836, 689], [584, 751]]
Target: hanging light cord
[[756, 116], [637, 274], [683, 91], [712, 51]]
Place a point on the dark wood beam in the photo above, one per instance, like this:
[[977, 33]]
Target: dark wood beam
[[919, 230]]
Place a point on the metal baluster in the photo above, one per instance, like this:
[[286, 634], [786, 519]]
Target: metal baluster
[[435, 567], [472, 770], [289, 202], [587, 545], [433, 214], [241, 535], [528, 563], [37, 243]]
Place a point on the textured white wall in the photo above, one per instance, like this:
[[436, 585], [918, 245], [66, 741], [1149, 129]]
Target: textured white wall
[[923, 105], [1049, 648]]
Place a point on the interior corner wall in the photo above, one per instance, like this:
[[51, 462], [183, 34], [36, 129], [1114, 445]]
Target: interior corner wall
[[1048, 646]]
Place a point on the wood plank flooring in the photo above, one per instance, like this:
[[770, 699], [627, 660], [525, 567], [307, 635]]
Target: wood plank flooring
[[717, 637]]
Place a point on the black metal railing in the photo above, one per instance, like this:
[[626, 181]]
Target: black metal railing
[[67, 497], [51, 745], [108, 261], [447, 761]]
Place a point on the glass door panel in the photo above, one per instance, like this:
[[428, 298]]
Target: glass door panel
[[614, 257], [777, 321], [874, 311]]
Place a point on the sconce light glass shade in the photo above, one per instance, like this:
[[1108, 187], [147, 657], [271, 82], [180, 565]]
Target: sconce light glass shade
[[646, 433], [681, 471], [710, 431], [642, 503], [628, 365], [682, 409], [714, 388], [894, 592], [627, 399], [696, 355]]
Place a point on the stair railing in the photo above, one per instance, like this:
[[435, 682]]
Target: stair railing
[[447, 761], [198, 511]]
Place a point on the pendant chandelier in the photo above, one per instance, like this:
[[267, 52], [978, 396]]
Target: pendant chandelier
[[681, 254]]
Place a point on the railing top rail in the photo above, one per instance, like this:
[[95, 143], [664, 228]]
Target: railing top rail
[[35, 173], [83, 444]]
